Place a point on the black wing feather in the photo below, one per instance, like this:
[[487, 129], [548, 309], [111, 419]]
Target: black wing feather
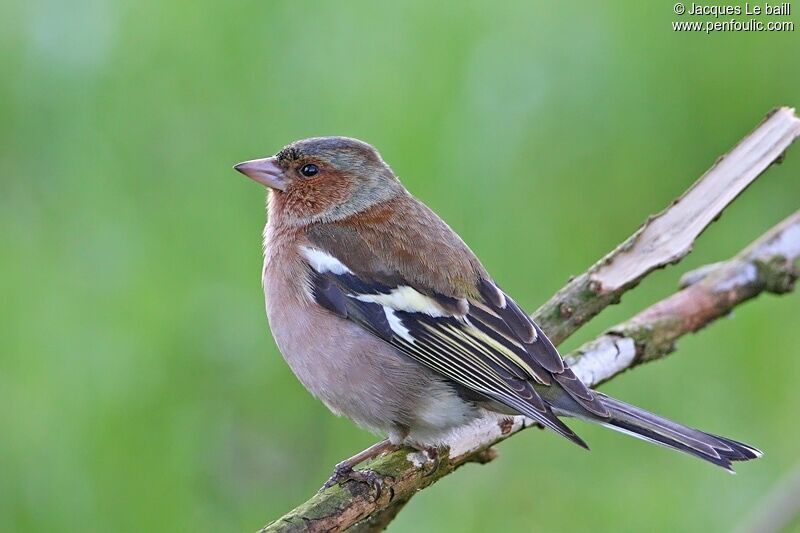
[[490, 347], [539, 353], [328, 294]]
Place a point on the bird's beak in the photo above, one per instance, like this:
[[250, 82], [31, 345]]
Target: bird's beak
[[264, 171]]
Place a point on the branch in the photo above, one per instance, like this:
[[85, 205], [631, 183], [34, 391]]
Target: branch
[[667, 237], [663, 239], [709, 293]]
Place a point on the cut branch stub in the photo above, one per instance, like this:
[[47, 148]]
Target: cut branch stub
[[669, 236]]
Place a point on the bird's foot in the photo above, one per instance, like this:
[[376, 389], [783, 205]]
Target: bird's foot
[[344, 472], [436, 459], [426, 455]]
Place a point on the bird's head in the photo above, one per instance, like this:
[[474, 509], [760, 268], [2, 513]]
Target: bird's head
[[323, 178]]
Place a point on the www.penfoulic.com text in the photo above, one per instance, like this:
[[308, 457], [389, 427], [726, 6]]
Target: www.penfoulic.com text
[[755, 17]]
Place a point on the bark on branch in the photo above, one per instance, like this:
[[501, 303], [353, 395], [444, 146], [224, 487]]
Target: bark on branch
[[711, 292], [667, 237]]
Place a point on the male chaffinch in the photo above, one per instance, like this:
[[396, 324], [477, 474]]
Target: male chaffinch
[[386, 315]]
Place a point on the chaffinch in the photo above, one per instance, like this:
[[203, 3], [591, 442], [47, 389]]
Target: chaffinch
[[385, 314]]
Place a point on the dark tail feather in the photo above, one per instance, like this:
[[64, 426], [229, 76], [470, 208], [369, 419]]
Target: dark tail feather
[[647, 426]]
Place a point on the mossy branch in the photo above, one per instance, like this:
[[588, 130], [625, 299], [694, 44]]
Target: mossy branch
[[711, 292], [708, 293]]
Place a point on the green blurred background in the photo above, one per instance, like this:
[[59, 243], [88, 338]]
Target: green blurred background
[[140, 389]]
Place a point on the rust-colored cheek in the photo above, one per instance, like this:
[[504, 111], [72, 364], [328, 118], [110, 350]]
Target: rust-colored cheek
[[313, 196]]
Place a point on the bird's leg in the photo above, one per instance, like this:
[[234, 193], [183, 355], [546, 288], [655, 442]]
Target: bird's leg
[[344, 471]]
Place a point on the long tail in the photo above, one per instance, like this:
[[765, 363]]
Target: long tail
[[644, 425]]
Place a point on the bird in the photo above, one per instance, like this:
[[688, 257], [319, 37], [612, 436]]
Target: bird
[[386, 315]]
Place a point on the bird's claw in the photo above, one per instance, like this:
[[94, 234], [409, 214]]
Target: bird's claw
[[339, 476], [435, 458], [343, 473]]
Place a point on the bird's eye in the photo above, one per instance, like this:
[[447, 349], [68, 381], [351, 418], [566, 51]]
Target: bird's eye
[[309, 170]]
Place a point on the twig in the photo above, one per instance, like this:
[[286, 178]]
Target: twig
[[710, 293], [339, 508], [667, 237]]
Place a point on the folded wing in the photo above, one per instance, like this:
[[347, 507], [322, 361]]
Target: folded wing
[[486, 344]]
